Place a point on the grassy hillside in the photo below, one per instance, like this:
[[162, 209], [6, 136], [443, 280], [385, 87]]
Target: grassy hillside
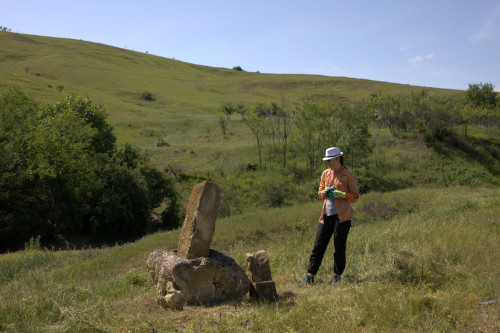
[[185, 114], [186, 95], [119, 76], [185, 110], [418, 260]]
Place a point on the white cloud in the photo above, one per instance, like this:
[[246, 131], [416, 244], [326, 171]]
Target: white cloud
[[418, 59], [489, 26]]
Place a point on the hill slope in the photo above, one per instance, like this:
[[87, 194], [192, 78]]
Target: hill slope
[[187, 97], [118, 77]]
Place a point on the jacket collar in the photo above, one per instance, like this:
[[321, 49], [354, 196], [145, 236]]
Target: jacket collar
[[341, 171]]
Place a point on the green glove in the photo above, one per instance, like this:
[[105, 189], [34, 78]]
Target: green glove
[[339, 194], [327, 190], [331, 195]]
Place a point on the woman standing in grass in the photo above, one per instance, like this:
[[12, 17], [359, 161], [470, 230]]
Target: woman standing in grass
[[338, 187]]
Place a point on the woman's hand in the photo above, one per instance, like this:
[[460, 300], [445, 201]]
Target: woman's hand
[[338, 194], [327, 190]]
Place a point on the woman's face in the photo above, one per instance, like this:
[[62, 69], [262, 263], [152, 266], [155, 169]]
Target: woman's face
[[333, 163]]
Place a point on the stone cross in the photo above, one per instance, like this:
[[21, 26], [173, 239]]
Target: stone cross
[[199, 225]]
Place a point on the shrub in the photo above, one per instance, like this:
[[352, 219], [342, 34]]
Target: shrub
[[61, 174], [121, 206], [158, 185], [23, 197], [231, 202], [171, 217], [147, 96], [275, 190], [238, 68], [136, 277]]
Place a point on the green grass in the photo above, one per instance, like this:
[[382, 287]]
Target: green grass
[[187, 96], [185, 110], [418, 260]]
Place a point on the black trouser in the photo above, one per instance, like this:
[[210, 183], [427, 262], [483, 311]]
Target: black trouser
[[340, 231]]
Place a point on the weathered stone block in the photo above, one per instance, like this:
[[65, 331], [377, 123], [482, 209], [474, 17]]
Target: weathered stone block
[[199, 225], [262, 287], [265, 290], [200, 281], [258, 266]]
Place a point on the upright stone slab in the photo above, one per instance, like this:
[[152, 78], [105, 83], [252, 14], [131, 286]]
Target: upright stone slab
[[258, 266], [262, 286], [199, 225]]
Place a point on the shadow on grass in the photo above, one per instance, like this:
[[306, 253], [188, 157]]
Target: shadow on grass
[[353, 279], [285, 299], [484, 151]]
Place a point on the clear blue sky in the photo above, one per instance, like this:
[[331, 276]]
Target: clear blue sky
[[434, 43]]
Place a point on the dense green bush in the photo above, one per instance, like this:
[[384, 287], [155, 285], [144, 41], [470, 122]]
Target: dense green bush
[[171, 217], [121, 205], [62, 174], [22, 195]]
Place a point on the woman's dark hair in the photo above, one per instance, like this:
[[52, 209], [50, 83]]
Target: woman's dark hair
[[342, 160]]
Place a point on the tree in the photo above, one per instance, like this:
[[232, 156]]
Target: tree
[[314, 132], [121, 206], [171, 217], [228, 109], [21, 194], [60, 173], [481, 95], [271, 125], [481, 102], [319, 126], [103, 140], [287, 118], [256, 122], [354, 136], [223, 124], [385, 110], [61, 155], [132, 187]]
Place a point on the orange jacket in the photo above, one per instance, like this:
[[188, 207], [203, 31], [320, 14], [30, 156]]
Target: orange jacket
[[343, 181]]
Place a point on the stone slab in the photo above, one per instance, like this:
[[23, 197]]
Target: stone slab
[[265, 290], [199, 225], [258, 266]]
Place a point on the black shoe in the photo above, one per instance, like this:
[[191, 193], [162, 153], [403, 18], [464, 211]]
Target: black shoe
[[335, 278], [308, 279]]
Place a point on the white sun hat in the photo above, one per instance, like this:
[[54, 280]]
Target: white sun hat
[[332, 153]]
